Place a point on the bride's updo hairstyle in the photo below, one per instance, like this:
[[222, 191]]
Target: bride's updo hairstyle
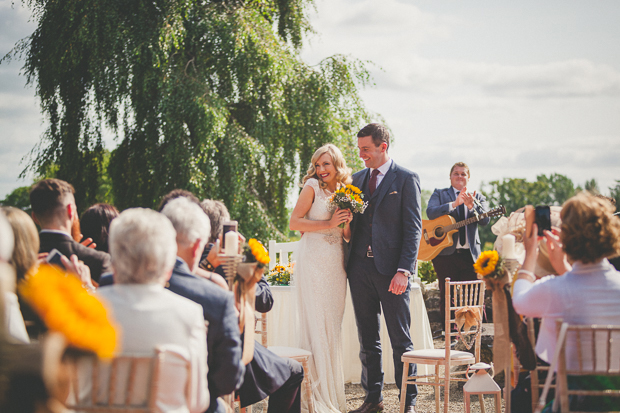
[[343, 174]]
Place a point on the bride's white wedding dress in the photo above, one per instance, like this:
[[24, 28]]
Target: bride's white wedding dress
[[321, 285]]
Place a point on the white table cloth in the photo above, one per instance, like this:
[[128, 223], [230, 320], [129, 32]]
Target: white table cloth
[[283, 326]]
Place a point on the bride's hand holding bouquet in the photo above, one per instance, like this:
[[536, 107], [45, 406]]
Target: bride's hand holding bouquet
[[348, 199]]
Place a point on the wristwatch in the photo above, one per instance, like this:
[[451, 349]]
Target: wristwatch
[[405, 272]]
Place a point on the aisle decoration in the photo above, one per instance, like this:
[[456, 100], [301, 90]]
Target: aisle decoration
[[280, 275], [348, 197], [491, 268], [255, 258], [68, 308]]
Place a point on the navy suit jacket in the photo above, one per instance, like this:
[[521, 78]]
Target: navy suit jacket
[[223, 340], [397, 220], [97, 261], [439, 205]]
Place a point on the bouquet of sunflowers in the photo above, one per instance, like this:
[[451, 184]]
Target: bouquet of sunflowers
[[280, 275], [348, 197], [490, 266]]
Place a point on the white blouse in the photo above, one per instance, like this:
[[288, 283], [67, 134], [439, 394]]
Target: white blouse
[[588, 294]]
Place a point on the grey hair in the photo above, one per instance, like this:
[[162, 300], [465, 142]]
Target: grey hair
[[142, 246], [218, 214], [189, 221], [6, 239]]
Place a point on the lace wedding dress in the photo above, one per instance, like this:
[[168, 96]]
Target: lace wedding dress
[[321, 288]]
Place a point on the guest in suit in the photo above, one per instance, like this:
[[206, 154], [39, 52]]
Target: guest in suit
[[457, 261], [54, 209], [223, 341], [382, 255], [143, 254], [267, 375]]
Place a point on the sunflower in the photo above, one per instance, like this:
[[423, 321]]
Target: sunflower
[[66, 307], [486, 263], [259, 251]]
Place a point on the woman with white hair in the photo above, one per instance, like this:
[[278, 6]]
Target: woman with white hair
[[143, 251]]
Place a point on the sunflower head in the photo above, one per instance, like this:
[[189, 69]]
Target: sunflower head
[[486, 264]]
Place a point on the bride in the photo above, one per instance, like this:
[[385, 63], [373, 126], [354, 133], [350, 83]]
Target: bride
[[320, 277]]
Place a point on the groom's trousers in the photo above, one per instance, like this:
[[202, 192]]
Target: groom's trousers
[[370, 295]]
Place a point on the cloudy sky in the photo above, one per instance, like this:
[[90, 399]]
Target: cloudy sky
[[514, 89]]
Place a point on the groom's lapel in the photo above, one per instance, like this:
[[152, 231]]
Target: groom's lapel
[[386, 182], [362, 182]]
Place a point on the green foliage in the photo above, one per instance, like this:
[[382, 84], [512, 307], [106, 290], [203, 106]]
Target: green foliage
[[614, 192], [208, 96], [515, 193], [592, 187], [426, 271], [426, 195], [19, 198]]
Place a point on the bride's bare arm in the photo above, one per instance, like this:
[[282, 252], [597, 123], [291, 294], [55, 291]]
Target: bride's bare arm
[[304, 203]]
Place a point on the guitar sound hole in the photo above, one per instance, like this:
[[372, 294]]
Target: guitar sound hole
[[439, 232]]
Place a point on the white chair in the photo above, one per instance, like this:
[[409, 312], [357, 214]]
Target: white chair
[[279, 253], [136, 383], [460, 295], [594, 350]]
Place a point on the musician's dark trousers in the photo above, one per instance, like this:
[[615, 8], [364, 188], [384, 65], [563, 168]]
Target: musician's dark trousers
[[458, 266]]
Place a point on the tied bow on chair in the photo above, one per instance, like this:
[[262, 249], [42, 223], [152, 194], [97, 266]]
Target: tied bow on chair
[[467, 317]]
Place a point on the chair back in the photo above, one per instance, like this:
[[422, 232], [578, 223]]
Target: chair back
[[464, 297], [261, 327], [282, 252], [582, 350], [136, 383], [587, 350]]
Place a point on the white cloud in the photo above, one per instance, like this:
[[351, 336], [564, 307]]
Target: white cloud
[[568, 79]]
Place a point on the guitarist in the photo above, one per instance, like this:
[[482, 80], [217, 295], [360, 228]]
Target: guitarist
[[457, 261]]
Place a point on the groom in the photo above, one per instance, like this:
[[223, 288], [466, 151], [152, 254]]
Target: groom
[[382, 254]]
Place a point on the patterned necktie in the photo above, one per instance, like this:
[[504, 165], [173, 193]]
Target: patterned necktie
[[461, 212], [372, 184]]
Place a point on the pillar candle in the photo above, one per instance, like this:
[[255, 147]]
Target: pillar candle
[[508, 247], [232, 243]]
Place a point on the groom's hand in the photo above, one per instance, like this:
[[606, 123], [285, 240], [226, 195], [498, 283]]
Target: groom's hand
[[399, 283]]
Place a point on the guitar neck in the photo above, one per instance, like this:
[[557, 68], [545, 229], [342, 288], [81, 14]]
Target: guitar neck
[[468, 221]]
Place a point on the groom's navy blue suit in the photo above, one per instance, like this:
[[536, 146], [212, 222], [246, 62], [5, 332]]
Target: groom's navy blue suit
[[391, 225]]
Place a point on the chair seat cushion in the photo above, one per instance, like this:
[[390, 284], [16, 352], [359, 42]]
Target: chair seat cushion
[[289, 352], [438, 354]]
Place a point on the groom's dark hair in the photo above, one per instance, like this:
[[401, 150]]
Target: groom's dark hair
[[378, 132]]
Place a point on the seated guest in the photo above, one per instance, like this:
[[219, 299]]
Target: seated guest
[[143, 254], [95, 224], [267, 375], [54, 209], [202, 271], [588, 292], [12, 319], [223, 341], [26, 241]]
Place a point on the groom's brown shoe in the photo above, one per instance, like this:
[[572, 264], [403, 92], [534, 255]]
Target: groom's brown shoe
[[369, 408]]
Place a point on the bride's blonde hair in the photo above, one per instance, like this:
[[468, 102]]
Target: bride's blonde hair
[[343, 173]]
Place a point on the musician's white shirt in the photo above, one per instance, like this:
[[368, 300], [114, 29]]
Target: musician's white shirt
[[458, 246]]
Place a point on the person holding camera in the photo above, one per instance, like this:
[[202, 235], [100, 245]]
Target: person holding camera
[[457, 260], [588, 291]]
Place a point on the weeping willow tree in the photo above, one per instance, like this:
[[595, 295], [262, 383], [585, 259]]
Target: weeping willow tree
[[209, 96]]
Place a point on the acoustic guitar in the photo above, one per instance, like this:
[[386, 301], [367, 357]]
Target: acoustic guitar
[[437, 233]]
